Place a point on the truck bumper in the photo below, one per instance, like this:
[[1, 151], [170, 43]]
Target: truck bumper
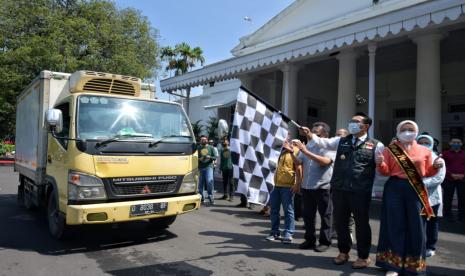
[[119, 211]]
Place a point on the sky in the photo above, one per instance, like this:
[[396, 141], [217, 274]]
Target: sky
[[213, 25]]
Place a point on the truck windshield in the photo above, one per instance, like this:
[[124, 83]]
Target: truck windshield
[[101, 118]]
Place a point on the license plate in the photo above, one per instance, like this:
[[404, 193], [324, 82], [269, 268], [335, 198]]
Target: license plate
[[148, 208]]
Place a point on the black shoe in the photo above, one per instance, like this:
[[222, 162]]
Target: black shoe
[[321, 248], [241, 205], [224, 197], [307, 245]]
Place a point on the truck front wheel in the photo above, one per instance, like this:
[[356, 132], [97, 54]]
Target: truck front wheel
[[162, 223], [56, 221]]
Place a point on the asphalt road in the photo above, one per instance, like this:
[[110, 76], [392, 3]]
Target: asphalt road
[[217, 240]]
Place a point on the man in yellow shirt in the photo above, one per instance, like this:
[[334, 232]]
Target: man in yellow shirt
[[287, 182]]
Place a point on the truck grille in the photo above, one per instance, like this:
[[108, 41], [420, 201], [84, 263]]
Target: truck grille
[[145, 185], [109, 86]]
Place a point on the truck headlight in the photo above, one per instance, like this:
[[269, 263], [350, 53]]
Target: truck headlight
[[85, 187], [189, 182]]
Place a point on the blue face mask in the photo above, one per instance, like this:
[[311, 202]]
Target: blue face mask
[[354, 128], [455, 146]]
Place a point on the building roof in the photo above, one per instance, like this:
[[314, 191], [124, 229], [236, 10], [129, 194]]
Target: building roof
[[289, 37]]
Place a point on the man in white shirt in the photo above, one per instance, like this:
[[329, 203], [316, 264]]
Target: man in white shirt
[[352, 183]]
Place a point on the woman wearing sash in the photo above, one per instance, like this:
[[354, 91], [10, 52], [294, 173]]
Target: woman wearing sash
[[401, 246]]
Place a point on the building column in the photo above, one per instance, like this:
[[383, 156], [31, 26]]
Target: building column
[[371, 86], [289, 94], [428, 86], [346, 105]]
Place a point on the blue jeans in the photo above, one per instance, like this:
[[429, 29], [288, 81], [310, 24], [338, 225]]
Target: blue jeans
[[282, 196], [206, 178]]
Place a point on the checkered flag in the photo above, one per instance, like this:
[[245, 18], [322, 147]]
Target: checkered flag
[[257, 137]]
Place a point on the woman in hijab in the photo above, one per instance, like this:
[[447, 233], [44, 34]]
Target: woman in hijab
[[401, 246], [433, 185]]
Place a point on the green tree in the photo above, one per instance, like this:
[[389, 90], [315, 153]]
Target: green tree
[[212, 128], [66, 36], [180, 60], [197, 128]]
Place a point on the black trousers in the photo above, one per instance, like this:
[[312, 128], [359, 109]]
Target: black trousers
[[298, 206], [320, 200], [449, 190], [357, 203], [228, 183]]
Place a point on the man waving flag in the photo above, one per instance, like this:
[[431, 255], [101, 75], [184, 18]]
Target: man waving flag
[[257, 137]]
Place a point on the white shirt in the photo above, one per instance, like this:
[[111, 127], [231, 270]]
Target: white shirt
[[333, 143]]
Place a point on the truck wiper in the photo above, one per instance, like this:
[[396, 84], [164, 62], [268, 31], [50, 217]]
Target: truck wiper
[[117, 138], [152, 144]]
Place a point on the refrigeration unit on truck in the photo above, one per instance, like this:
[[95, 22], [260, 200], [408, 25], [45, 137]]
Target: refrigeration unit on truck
[[96, 148]]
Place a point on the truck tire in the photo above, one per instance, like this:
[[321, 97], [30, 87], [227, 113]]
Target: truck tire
[[56, 221], [162, 223]]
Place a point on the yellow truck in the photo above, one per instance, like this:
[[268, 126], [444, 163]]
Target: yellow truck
[[96, 148]]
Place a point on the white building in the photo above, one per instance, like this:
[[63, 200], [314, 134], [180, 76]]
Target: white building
[[325, 60], [218, 101]]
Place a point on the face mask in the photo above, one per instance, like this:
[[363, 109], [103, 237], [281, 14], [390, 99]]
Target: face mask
[[407, 136], [455, 146], [354, 128]]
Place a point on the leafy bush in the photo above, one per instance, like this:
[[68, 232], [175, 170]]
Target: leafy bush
[[6, 148]]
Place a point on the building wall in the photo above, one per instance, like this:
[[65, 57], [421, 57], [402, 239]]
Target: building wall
[[317, 91], [197, 110]]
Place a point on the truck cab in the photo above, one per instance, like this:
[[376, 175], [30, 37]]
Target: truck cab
[[110, 153]]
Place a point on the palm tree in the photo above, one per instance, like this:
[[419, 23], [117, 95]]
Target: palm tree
[[197, 128], [181, 59], [212, 128]]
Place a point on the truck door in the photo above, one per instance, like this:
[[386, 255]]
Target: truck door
[[57, 156]]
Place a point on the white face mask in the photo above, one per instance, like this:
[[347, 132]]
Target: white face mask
[[354, 128], [407, 136]]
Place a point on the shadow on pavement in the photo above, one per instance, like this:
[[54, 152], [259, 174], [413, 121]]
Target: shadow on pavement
[[239, 212], [258, 248], [444, 271], [174, 268], [28, 231]]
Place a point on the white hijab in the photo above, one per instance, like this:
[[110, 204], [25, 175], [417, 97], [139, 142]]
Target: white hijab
[[415, 126], [399, 126]]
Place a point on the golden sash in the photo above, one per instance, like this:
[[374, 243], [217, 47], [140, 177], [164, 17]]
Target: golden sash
[[414, 178]]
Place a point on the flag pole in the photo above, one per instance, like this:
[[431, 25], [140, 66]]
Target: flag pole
[[268, 105]]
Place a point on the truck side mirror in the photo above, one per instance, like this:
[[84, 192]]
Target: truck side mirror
[[55, 120]]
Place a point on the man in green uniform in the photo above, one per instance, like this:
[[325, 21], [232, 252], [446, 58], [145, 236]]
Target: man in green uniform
[[227, 171], [206, 158]]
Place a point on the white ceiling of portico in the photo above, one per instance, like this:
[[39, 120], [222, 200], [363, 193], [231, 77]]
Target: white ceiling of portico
[[304, 18]]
